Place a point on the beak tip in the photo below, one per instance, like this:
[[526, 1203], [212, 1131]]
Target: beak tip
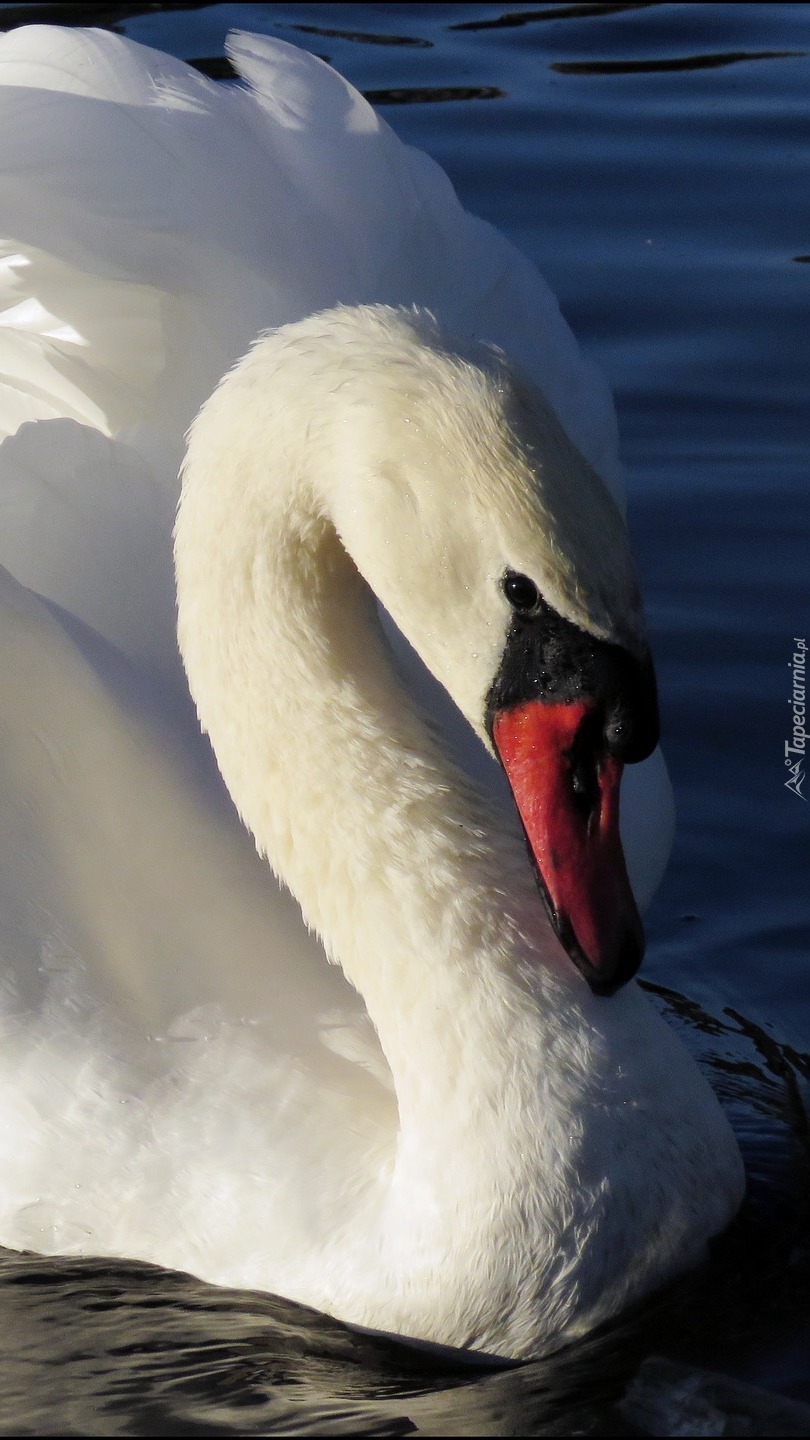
[[619, 967], [612, 970]]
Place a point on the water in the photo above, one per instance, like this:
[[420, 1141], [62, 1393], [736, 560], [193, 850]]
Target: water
[[652, 160]]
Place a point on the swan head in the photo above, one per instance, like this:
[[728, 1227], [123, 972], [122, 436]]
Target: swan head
[[504, 560], [500, 555]]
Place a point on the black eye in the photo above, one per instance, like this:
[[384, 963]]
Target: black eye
[[521, 592]]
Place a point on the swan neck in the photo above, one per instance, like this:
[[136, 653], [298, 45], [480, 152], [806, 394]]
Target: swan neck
[[396, 862]]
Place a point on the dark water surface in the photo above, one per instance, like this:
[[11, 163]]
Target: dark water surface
[[652, 159]]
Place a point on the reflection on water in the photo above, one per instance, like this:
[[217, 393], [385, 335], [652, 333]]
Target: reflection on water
[[363, 36], [527, 16], [658, 180], [683, 62], [421, 94]]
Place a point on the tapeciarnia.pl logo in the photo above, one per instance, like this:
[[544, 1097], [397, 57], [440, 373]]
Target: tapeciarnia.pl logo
[[798, 749]]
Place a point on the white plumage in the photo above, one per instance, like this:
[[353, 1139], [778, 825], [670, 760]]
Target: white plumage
[[501, 1158]]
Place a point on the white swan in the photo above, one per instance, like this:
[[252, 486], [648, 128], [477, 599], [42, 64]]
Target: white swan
[[460, 1141]]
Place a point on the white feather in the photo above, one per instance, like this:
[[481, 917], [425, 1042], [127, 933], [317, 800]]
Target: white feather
[[175, 1038]]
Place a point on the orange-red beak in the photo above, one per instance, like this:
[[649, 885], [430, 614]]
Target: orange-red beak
[[566, 711], [566, 787]]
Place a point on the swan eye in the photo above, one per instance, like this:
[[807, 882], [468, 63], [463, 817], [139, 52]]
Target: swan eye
[[521, 592]]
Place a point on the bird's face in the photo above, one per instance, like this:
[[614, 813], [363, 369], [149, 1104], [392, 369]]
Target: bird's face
[[503, 559]]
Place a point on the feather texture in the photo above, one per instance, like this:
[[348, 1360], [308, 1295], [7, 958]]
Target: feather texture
[[174, 1035]]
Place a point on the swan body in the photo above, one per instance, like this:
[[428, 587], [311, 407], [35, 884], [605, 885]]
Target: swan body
[[445, 1134]]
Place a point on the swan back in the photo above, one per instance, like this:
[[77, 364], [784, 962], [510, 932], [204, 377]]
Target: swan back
[[122, 306]]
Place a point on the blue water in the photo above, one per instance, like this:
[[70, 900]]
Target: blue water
[[652, 159]]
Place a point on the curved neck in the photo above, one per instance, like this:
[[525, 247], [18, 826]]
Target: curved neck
[[396, 862]]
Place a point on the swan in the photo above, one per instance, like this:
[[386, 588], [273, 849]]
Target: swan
[[431, 1101]]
